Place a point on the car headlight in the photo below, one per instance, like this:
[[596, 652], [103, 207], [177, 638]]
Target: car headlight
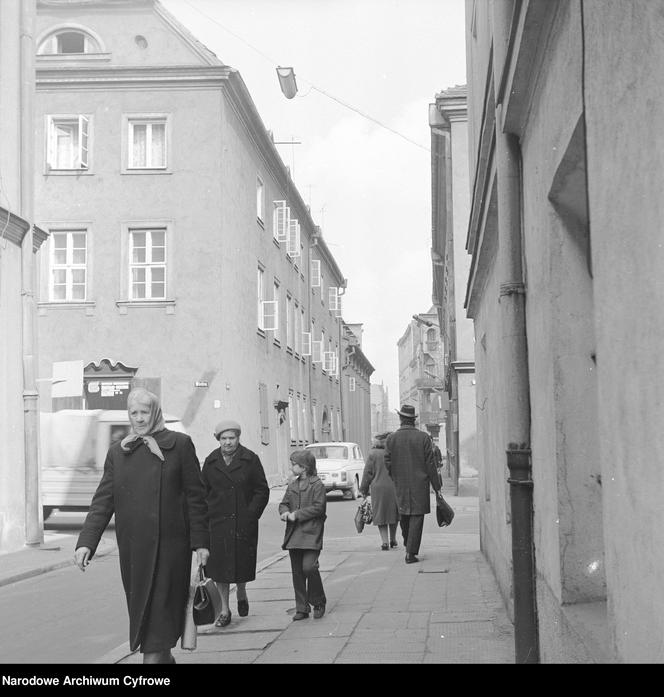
[[344, 476]]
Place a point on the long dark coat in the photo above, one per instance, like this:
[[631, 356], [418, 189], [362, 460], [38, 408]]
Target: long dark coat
[[237, 495], [376, 480], [306, 497], [410, 462], [160, 517]]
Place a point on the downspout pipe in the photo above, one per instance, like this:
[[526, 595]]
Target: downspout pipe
[[514, 351], [526, 644], [34, 532]]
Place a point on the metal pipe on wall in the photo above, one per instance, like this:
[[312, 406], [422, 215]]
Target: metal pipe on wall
[[34, 533], [514, 348]]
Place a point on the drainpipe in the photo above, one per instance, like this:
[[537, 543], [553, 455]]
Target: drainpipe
[[513, 352], [34, 533], [523, 555]]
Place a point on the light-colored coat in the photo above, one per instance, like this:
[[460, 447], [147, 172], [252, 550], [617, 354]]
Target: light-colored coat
[[306, 498], [410, 462]]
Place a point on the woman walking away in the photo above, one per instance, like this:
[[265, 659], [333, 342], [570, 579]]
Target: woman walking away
[[377, 483], [152, 483], [237, 493], [303, 510]]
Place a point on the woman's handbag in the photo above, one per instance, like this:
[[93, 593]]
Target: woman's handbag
[[444, 512], [207, 599], [363, 515]]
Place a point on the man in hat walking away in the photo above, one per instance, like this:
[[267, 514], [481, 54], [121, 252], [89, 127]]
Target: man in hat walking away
[[410, 461]]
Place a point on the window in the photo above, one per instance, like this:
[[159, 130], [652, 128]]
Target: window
[[300, 419], [147, 264], [68, 41], [315, 273], [260, 200], [68, 141], [275, 298], [297, 329], [146, 139], [334, 301], [260, 291], [68, 275], [280, 221], [293, 240], [306, 343], [292, 418], [264, 413], [290, 322]]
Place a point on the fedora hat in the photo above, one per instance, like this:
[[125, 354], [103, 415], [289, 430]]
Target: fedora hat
[[407, 410]]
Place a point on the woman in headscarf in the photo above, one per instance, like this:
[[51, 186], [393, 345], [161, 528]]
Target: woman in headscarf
[[377, 483], [152, 483], [237, 493]]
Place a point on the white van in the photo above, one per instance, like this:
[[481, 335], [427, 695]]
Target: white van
[[73, 445]]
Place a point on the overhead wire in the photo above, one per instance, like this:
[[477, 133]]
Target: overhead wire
[[312, 85]]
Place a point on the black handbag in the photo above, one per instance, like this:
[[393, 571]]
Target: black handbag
[[444, 512], [207, 599]]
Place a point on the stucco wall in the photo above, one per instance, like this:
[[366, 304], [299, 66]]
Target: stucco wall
[[567, 492], [625, 101]]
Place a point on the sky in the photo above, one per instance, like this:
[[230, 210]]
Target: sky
[[366, 176]]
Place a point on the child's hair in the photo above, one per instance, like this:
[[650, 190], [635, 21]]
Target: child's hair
[[306, 459]]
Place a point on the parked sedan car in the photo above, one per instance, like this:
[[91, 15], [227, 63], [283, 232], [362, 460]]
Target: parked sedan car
[[340, 466]]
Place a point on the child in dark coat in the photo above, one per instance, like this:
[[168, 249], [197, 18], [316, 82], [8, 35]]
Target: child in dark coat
[[303, 510]]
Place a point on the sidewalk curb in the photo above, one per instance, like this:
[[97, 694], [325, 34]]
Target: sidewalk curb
[[30, 573], [119, 653]]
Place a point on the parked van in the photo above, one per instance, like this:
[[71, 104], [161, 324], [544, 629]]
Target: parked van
[[73, 446]]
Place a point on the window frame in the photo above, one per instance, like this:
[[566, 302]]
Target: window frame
[[84, 125], [148, 265], [69, 266], [129, 121]]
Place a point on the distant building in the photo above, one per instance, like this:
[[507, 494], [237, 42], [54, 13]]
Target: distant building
[[450, 266], [181, 255], [421, 372], [356, 372]]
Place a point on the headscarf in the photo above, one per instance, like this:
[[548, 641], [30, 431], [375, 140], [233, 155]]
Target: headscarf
[[156, 423]]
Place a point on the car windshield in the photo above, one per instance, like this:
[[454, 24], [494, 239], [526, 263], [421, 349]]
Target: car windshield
[[330, 452]]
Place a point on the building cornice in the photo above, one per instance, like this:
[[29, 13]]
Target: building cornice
[[123, 78]]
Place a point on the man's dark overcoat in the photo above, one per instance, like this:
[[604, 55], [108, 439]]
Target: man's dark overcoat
[[160, 517], [409, 460], [237, 495]]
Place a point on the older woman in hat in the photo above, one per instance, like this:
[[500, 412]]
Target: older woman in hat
[[377, 483], [152, 483], [237, 493]]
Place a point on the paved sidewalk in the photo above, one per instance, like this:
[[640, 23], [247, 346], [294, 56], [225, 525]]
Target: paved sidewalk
[[444, 609]]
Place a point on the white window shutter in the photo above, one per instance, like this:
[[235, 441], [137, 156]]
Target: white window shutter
[[351, 384], [270, 315], [83, 137], [52, 148], [315, 273], [317, 351], [306, 343], [332, 298], [280, 220], [328, 361], [293, 242]]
